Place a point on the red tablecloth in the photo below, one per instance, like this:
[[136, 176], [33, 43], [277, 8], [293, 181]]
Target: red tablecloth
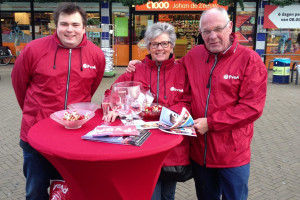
[[95, 170]]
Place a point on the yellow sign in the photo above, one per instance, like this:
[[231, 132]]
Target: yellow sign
[[281, 71]]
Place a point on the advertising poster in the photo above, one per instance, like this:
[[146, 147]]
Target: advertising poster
[[121, 24], [245, 28]]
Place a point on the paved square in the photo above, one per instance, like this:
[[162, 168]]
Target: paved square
[[275, 166]]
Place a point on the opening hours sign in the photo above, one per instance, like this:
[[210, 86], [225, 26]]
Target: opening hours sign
[[282, 17]]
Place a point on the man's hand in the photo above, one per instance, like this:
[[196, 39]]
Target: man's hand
[[131, 65], [201, 125], [111, 116]]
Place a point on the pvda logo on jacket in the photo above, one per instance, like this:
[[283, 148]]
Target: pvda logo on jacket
[[226, 76], [174, 89], [88, 66]]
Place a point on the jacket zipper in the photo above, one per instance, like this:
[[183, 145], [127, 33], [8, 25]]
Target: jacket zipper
[[206, 106], [68, 80], [158, 72]]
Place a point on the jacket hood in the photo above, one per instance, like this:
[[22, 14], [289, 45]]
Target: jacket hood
[[167, 64], [81, 44]]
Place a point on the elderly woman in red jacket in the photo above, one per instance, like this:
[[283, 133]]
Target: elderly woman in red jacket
[[168, 81]]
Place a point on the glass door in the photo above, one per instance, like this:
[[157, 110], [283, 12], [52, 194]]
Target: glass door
[[186, 27], [141, 22]]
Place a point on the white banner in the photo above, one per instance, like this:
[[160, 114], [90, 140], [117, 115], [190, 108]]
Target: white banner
[[282, 17]]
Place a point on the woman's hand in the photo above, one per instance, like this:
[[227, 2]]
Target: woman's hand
[[131, 65], [111, 116]]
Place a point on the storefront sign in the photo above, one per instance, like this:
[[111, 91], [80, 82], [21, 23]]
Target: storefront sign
[[176, 6], [121, 26], [282, 17]]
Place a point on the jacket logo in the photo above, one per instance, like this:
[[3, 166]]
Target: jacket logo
[[226, 76], [174, 89], [88, 66]]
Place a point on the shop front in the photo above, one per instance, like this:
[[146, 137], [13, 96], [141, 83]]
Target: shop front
[[282, 25], [22, 22], [184, 16]]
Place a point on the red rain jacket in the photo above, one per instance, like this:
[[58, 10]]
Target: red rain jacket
[[174, 92], [230, 90], [40, 77]]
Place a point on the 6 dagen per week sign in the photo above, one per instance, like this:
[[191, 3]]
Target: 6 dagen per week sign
[[282, 17]]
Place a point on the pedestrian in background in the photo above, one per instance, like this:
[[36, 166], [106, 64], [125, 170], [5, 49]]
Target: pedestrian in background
[[49, 74]]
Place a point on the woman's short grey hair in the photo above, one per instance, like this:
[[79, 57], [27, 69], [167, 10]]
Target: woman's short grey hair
[[156, 30], [220, 9]]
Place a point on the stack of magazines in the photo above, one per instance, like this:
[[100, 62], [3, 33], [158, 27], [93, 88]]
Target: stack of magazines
[[127, 135]]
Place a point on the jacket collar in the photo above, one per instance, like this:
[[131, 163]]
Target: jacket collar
[[166, 64], [82, 43]]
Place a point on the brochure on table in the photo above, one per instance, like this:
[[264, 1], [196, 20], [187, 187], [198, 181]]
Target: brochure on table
[[118, 135], [174, 123], [141, 124], [102, 131]]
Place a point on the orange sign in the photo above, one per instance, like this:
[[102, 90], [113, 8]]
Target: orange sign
[[177, 6]]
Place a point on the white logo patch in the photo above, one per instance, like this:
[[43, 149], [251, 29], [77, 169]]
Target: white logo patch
[[174, 89], [88, 66], [226, 76]]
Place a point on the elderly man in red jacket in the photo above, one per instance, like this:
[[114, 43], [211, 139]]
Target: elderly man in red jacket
[[229, 84]]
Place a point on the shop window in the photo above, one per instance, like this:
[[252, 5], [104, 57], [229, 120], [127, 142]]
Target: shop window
[[140, 26], [93, 30], [15, 26], [139, 49], [44, 23], [186, 28], [120, 17], [281, 41], [15, 30]]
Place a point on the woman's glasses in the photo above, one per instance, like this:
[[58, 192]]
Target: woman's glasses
[[163, 44]]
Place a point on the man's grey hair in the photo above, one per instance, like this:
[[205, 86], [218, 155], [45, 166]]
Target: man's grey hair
[[156, 30], [220, 9]]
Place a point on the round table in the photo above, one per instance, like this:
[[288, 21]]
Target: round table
[[96, 170]]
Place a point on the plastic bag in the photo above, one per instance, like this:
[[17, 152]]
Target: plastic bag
[[59, 190]]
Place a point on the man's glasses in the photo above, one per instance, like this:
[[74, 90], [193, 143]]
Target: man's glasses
[[163, 44], [216, 30]]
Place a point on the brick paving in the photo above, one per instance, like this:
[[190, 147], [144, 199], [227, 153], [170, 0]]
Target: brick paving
[[275, 166]]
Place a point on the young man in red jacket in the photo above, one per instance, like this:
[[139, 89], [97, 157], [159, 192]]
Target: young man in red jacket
[[49, 74], [229, 84]]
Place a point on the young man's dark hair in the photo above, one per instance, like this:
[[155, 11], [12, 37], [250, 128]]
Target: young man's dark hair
[[69, 8]]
